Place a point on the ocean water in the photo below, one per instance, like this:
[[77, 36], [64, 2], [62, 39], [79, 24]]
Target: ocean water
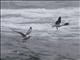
[[46, 43]]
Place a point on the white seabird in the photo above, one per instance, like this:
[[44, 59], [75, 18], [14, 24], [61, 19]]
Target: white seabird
[[26, 35]]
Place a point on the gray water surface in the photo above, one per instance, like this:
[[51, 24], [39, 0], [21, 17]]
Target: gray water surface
[[46, 43]]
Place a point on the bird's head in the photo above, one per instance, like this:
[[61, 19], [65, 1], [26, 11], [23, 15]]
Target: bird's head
[[30, 27], [59, 17], [66, 24]]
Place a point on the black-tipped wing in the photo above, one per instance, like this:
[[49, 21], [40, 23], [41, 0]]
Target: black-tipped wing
[[58, 21], [20, 33], [66, 24], [23, 35], [29, 31]]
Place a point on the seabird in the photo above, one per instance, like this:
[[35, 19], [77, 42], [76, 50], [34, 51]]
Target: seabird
[[58, 23], [26, 35]]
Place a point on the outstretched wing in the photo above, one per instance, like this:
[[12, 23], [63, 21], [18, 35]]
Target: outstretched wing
[[20, 33], [66, 24], [23, 35], [29, 31], [58, 21]]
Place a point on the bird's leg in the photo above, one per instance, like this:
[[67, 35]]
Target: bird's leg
[[57, 28]]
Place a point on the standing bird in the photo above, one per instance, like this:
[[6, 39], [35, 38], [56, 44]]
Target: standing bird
[[26, 35], [58, 23]]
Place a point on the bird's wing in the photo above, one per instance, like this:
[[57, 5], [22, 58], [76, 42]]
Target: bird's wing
[[29, 31], [26, 38], [58, 21], [65, 24], [23, 35]]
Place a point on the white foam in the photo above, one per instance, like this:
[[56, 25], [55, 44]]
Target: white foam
[[37, 13], [41, 12]]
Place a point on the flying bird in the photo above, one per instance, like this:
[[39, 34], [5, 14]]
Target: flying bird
[[58, 23], [26, 35]]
